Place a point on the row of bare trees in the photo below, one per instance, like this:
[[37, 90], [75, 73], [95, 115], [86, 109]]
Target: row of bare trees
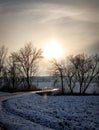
[[19, 67], [80, 70]]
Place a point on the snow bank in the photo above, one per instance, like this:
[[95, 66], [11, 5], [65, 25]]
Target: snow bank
[[56, 112]]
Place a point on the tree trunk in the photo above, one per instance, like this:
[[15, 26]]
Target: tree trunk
[[62, 84], [28, 82]]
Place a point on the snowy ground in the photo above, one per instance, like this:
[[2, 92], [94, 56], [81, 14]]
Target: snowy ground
[[34, 112], [12, 121]]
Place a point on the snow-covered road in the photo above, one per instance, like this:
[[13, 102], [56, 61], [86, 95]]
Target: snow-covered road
[[12, 121]]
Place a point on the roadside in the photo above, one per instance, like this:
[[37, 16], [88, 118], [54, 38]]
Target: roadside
[[4, 96]]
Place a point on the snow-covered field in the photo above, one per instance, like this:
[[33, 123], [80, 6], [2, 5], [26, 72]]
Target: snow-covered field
[[55, 112]]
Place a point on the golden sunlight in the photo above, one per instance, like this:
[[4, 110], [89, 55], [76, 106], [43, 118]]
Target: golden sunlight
[[53, 50]]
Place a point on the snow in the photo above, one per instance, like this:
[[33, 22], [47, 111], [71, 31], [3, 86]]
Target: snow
[[33, 111], [14, 122]]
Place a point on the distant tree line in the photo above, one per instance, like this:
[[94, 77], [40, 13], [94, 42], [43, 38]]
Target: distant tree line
[[18, 69], [76, 71]]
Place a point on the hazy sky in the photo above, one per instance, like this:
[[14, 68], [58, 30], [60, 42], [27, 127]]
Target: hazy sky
[[74, 23]]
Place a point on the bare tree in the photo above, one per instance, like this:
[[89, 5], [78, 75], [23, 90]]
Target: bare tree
[[70, 76], [58, 72], [28, 58], [3, 53], [4, 79], [97, 80], [13, 71], [66, 73], [87, 68]]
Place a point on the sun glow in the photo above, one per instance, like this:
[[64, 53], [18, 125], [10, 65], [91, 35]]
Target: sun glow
[[53, 50]]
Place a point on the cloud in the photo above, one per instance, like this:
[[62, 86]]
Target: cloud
[[85, 4], [75, 21], [94, 48]]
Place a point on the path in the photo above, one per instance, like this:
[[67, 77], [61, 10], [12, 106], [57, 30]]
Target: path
[[6, 118]]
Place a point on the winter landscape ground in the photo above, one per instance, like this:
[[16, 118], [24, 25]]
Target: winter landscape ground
[[35, 112]]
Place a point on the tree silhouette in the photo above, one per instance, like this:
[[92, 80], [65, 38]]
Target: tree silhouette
[[3, 54], [87, 68], [70, 76], [58, 72], [28, 58]]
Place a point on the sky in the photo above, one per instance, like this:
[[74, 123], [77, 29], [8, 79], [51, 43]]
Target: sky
[[73, 23]]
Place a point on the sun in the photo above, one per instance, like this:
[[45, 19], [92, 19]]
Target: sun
[[53, 50]]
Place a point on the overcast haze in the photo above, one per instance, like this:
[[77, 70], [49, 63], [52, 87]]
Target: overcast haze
[[74, 23]]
